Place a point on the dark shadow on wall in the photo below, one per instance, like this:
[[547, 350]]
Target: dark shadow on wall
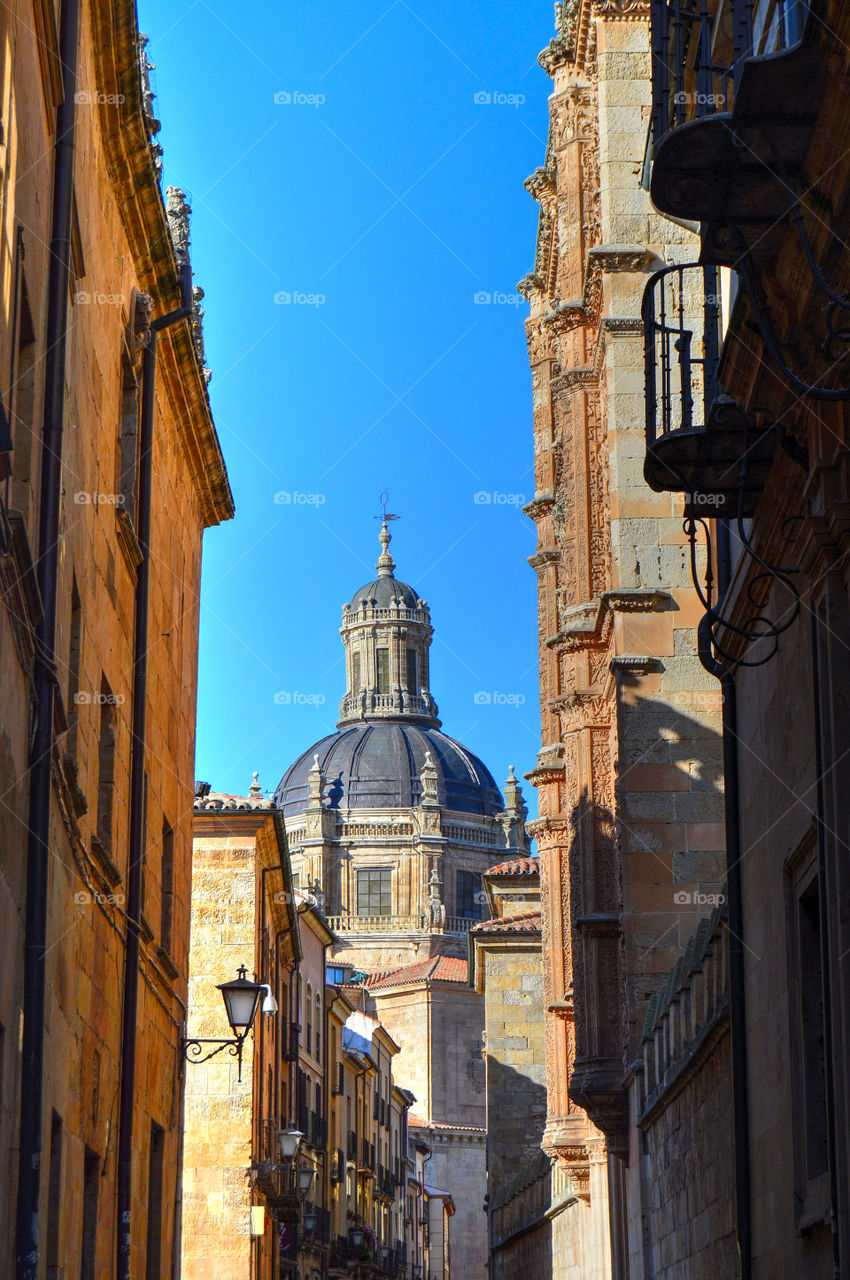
[[519, 1173]]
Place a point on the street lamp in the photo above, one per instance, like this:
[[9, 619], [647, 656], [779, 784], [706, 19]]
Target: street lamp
[[289, 1141], [356, 1234], [306, 1174], [241, 997], [310, 1219]]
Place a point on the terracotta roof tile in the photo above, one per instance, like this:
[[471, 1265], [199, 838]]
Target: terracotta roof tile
[[416, 1122], [438, 968], [525, 922], [515, 867]]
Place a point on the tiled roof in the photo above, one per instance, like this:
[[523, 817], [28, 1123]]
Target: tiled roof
[[516, 867], [525, 922], [438, 968], [416, 1122]]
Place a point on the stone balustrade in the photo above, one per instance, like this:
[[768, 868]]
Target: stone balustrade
[[396, 924], [683, 1013], [530, 1203]]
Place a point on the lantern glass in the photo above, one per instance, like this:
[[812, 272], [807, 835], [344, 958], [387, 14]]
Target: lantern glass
[[357, 1237], [305, 1178], [290, 1141], [310, 1222], [241, 998]]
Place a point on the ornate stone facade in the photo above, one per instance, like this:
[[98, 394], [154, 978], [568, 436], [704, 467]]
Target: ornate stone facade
[[630, 829]]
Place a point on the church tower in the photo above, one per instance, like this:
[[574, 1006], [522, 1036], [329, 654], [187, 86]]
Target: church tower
[[390, 819]]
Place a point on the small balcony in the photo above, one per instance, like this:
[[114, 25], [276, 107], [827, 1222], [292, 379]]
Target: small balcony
[[735, 95], [698, 442]]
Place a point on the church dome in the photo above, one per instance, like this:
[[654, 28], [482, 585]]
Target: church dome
[[376, 764], [384, 592]]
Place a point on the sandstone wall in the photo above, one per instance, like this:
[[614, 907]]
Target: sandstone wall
[[690, 1194]]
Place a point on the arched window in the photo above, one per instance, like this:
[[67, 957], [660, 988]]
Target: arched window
[[318, 1044], [308, 1013]]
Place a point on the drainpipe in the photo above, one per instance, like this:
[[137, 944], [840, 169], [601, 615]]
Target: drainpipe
[[734, 892], [137, 780], [47, 574]]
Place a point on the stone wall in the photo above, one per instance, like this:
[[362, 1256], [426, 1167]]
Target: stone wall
[[458, 1165], [122, 249], [691, 1192], [217, 1153], [515, 1062]]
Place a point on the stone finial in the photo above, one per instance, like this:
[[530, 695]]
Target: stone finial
[[255, 791], [386, 564], [316, 782], [177, 210], [436, 906], [514, 802], [428, 779]]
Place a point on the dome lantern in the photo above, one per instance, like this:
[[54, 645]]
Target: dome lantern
[[386, 630]]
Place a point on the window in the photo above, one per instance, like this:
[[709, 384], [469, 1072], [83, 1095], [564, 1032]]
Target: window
[[318, 1045], [54, 1199], [335, 975], [22, 400], [105, 766], [808, 1072], [167, 881], [91, 1185], [374, 893], [127, 449], [382, 660], [74, 651], [308, 1009], [469, 894], [153, 1263], [355, 673], [412, 672]]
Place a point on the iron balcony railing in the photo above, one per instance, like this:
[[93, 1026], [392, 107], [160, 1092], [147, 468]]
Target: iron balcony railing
[[698, 442], [699, 48], [681, 323]]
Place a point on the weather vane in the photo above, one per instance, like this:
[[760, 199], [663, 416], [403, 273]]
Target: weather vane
[[382, 502]]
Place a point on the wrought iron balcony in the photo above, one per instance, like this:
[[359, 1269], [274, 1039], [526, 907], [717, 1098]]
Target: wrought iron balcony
[[734, 101], [698, 442]]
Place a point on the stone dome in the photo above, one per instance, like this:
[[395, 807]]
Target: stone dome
[[384, 591], [376, 764]]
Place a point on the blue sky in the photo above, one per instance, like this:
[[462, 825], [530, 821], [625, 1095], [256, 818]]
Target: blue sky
[[356, 180]]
